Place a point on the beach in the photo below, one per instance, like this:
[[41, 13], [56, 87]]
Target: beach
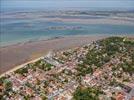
[[17, 54]]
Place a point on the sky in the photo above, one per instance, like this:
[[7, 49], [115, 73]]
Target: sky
[[49, 4]]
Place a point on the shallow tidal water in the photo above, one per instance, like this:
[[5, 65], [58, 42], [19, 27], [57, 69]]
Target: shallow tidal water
[[15, 31]]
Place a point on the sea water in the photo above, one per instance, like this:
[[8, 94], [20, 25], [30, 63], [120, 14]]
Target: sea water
[[15, 31]]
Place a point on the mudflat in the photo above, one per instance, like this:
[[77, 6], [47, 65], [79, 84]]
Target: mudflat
[[13, 55]]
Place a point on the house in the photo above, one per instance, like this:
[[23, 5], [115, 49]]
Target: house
[[120, 96]]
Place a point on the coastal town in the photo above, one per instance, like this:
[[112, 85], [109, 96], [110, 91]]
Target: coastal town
[[101, 70]]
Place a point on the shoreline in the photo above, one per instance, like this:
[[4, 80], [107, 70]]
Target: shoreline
[[17, 55], [29, 41], [19, 66], [58, 37]]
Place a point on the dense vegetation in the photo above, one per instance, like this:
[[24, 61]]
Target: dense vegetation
[[83, 93], [102, 51], [22, 71]]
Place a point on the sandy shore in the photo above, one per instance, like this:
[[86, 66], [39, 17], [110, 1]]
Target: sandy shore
[[14, 55]]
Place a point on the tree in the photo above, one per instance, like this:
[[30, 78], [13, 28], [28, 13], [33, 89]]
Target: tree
[[83, 93], [22, 70], [8, 85]]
